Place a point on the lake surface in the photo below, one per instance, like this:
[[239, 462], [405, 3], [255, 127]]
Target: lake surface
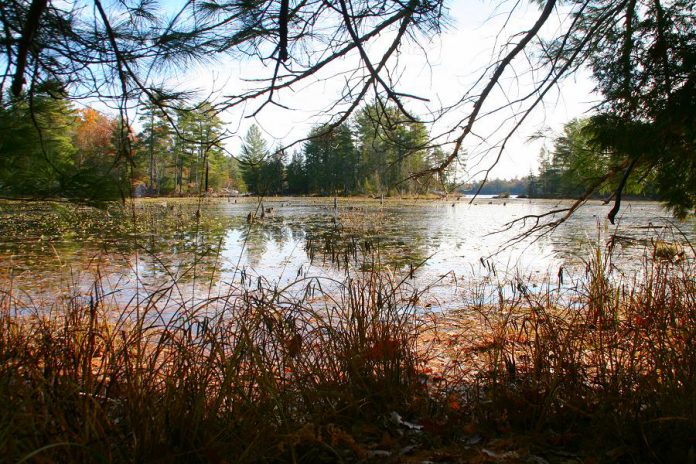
[[46, 247]]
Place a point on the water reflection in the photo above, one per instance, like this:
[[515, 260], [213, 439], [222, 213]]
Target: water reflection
[[152, 242]]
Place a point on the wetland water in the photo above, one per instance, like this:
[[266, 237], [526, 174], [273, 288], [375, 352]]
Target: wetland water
[[46, 247]]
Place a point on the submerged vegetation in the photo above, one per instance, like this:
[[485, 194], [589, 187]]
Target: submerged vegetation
[[356, 370]]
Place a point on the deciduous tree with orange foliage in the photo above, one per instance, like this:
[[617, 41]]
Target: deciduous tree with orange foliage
[[93, 138]]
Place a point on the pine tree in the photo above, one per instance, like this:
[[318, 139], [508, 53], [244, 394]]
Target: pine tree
[[252, 159]]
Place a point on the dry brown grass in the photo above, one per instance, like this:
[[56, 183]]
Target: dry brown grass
[[611, 365], [240, 377], [281, 375]]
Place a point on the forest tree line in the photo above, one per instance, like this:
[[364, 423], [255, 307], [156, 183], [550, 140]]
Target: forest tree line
[[640, 55], [379, 151], [50, 148], [574, 161], [577, 159]]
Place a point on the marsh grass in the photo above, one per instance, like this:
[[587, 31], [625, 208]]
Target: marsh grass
[[315, 371], [251, 375], [609, 367]]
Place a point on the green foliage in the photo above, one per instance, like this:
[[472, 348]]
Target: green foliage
[[594, 152], [199, 133], [330, 160], [36, 145], [643, 57], [574, 163], [254, 153], [188, 160], [49, 149], [500, 187], [577, 160], [273, 173], [80, 154], [663, 152], [374, 153], [297, 175], [377, 155], [391, 148], [153, 149], [447, 179]]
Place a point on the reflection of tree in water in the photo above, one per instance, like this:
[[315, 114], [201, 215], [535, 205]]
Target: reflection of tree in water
[[255, 239], [279, 232], [364, 238], [297, 232], [188, 246], [170, 237], [335, 241]]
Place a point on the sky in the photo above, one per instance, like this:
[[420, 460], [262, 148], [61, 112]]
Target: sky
[[439, 69]]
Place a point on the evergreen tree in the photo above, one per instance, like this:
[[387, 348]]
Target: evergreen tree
[[643, 59], [154, 149], [446, 179], [252, 159], [273, 173], [37, 152], [391, 147], [297, 176], [330, 160], [197, 152], [47, 148], [577, 161]]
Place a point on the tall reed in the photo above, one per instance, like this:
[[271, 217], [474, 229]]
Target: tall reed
[[255, 374], [610, 364]]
